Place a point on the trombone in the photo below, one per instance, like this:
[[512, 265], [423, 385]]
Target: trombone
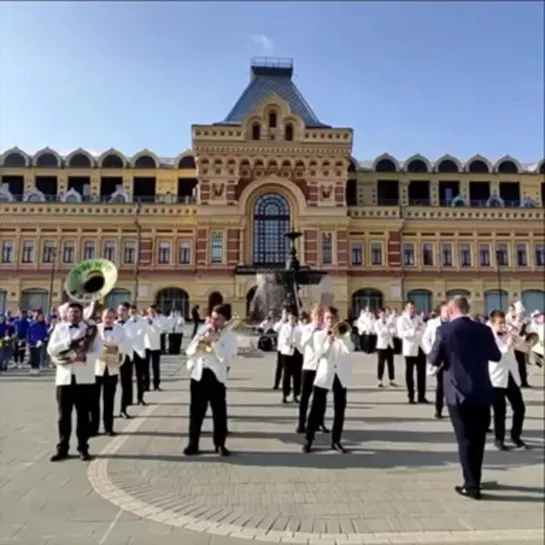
[[341, 330], [210, 335]]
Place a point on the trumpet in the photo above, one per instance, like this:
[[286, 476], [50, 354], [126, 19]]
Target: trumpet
[[341, 329], [204, 343]]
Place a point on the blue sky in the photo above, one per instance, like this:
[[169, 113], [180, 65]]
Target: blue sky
[[430, 77]]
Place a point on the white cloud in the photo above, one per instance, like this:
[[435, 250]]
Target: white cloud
[[264, 42]]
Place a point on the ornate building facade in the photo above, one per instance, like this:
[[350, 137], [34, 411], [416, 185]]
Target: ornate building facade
[[193, 229]]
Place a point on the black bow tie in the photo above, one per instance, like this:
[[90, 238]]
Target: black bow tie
[[74, 326], [121, 322], [108, 328]]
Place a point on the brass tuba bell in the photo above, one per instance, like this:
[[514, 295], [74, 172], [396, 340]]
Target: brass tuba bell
[[91, 280]]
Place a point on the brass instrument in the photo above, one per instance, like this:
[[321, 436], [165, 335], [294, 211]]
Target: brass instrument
[[341, 329], [209, 336], [521, 337], [537, 354], [110, 354], [87, 283]]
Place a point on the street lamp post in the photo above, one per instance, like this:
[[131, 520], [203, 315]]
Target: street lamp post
[[52, 277], [138, 243], [498, 272]]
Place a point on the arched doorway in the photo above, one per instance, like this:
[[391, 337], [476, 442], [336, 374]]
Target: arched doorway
[[173, 299], [117, 297], [495, 300], [34, 299], [249, 299], [215, 298], [3, 299], [364, 298], [422, 299], [533, 300], [271, 223], [451, 294]]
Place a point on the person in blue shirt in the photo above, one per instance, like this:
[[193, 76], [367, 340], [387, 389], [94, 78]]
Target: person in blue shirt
[[37, 341], [21, 330]]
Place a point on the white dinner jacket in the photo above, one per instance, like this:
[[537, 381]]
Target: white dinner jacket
[[385, 334], [288, 339], [135, 330], [84, 372], [223, 352], [152, 336], [310, 347], [364, 324], [499, 370], [410, 331], [116, 337], [428, 338], [333, 360]]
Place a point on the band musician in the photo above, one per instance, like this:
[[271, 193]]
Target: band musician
[[126, 370], [288, 341], [210, 354], [112, 356], [332, 373], [385, 331], [75, 381]]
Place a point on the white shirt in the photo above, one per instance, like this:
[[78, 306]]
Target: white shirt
[[499, 370], [288, 339], [385, 331], [267, 325], [364, 323], [84, 372], [310, 347], [175, 323], [223, 352], [410, 330], [117, 338], [152, 336], [135, 330], [332, 360], [428, 338]]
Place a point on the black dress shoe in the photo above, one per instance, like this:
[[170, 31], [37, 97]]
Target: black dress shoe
[[142, 402], [111, 433], [191, 451], [323, 429], [284, 400], [300, 429], [424, 401], [519, 443], [58, 457], [157, 389], [276, 387], [223, 451], [295, 399], [467, 493], [412, 402], [336, 445], [85, 457], [500, 445], [307, 447], [438, 415], [125, 415]]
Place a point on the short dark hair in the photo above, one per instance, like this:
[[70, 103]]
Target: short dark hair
[[496, 315], [133, 307], [223, 309], [73, 304], [332, 310], [126, 305], [409, 302]]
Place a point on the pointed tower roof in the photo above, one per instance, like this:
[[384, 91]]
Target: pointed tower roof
[[270, 76]]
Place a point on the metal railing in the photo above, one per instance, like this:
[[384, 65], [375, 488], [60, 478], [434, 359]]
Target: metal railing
[[107, 199]]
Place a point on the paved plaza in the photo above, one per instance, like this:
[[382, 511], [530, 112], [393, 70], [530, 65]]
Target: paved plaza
[[396, 485]]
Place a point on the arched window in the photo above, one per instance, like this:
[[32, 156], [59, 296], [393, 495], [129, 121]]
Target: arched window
[[508, 167], [117, 297], [256, 131], [215, 298], [173, 299], [451, 294], [532, 300], [272, 120], [187, 162], [34, 299], [422, 299], [495, 300], [364, 298], [447, 165], [112, 161], [478, 167], [271, 223], [47, 160], [15, 160], [3, 299], [289, 131], [385, 165], [417, 165], [145, 161], [79, 160]]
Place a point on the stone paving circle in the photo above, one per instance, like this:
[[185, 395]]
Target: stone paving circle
[[396, 486]]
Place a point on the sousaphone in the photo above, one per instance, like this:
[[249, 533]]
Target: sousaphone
[[91, 281]]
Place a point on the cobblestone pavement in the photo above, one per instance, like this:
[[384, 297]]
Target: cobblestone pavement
[[396, 485]]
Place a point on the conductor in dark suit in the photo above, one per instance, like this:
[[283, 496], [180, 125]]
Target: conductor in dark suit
[[463, 349]]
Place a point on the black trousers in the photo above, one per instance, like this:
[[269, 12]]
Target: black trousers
[[153, 359], [318, 408], [19, 351], [307, 386], [105, 387], [163, 341], [141, 369], [398, 344], [278, 371], [79, 396], [291, 376], [470, 423], [439, 392], [207, 390], [196, 326], [175, 343], [521, 358], [125, 378], [514, 396], [385, 356], [36, 356], [418, 364]]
